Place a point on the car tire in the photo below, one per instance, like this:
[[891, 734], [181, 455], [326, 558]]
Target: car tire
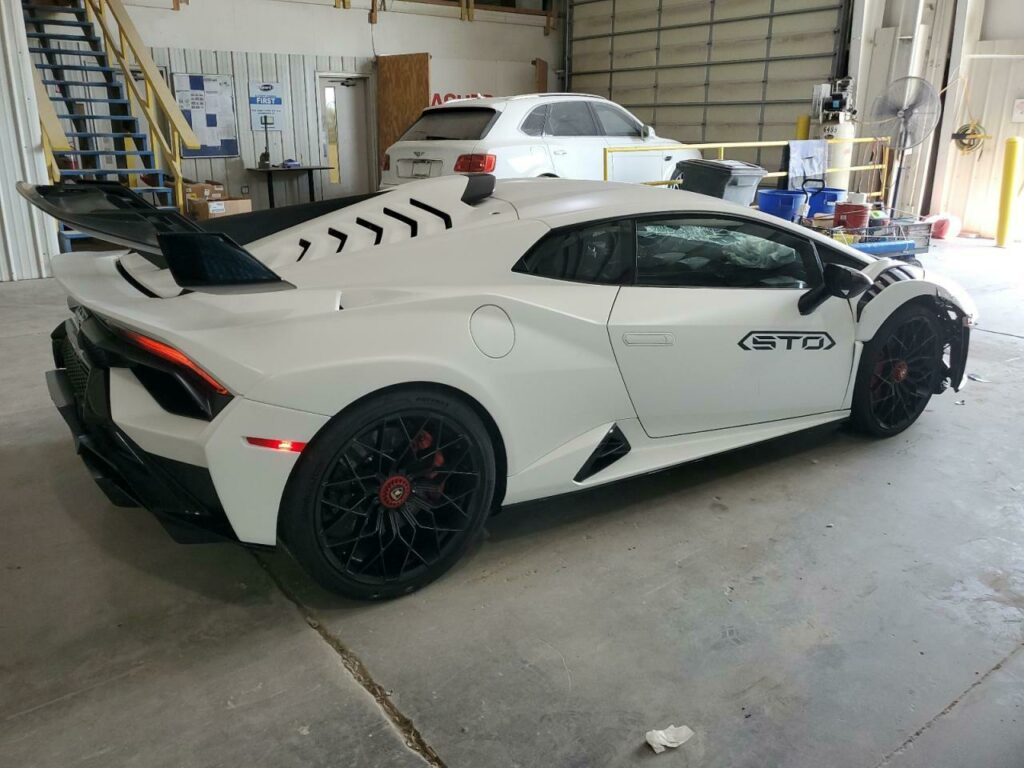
[[900, 369], [390, 494]]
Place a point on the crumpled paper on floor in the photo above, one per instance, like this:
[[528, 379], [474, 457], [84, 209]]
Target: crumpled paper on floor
[[671, 737]]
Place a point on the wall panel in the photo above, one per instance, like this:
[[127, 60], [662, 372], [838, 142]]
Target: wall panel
[[973, 191], [299, 138], [728, 70], [27, 237]]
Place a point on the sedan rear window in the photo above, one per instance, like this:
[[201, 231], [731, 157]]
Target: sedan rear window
[[451, 123]]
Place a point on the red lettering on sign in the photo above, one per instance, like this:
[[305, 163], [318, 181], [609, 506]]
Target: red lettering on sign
[[437, 98]]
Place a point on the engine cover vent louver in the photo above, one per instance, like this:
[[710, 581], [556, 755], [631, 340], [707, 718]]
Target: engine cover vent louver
[[342, 237], [424, 209], [613, 446], [377, 229], [885, 279], [431, 209], [413, 224]]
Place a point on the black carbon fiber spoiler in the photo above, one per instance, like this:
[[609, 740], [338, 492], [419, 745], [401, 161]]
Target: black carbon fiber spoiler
[[198, 260]]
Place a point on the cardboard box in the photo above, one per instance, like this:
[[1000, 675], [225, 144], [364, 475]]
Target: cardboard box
[[205, 190], [214, 209]]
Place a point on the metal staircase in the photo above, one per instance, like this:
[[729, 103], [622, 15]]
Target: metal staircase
[[85, 52]]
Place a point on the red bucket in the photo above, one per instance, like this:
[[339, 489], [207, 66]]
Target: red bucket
[[851, 215]]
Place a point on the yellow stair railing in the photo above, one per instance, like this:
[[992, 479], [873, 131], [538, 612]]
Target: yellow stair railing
[[54, 138], [167, 124]]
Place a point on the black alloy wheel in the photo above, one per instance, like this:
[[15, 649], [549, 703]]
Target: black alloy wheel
[[899, 372], [392, 496]]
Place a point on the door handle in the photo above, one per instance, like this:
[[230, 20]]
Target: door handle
[[658, 339], [558, 152]]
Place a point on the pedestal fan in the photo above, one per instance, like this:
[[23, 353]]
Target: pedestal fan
[[907, 111]]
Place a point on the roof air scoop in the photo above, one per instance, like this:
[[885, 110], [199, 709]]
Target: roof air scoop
[[479, 186]]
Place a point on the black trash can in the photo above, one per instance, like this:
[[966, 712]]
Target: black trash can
[[732, 180]]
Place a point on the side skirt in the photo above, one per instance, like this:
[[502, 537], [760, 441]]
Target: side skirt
[[553, 474]]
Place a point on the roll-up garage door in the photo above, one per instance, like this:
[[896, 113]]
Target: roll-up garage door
[[708, 70]]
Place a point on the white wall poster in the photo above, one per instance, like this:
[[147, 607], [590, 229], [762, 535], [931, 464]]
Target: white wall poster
[[266, 100], [208, 104]]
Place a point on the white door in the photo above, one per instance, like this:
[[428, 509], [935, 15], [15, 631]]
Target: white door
[[621, 129], [345, 136], [711, 335], [574, 141]]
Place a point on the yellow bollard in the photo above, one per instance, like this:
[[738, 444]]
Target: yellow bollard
[[803, 127], [1008, 193]]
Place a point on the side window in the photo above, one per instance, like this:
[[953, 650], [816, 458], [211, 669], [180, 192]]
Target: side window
[[533, 125], [615, 122], [711, 251], [601, 253], [571, 118]]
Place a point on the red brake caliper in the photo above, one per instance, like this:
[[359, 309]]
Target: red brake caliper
[[422, 442]]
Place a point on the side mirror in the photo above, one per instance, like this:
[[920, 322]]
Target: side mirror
[[646, 132], [845, 282], [839, 281]]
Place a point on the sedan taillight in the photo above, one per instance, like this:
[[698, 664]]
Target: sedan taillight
[[475, 163], [386, 165]]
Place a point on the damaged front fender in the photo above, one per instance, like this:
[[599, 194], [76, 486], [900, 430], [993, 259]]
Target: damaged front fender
[[958, 337], [954, 308]]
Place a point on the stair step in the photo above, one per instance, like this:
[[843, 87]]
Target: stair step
[[76, 67], [71, 173], [112, 118], [90, 101], [53, 8], [83, 83], [146, 190], [53, 36], [106, 152], [69, 52], [104, 135], [58, 22]]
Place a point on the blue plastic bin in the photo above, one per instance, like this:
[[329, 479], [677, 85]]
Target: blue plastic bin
[[825, 199], [784, 203]]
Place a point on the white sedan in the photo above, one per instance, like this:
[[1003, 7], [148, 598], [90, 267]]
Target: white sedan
[[548, 134], [367, 384]]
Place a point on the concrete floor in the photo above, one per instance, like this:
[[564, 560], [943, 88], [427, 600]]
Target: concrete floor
[[822, 600]]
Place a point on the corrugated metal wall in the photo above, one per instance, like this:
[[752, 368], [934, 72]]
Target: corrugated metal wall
[[27, 238], [707, 70], [994, 84], [300, 137]]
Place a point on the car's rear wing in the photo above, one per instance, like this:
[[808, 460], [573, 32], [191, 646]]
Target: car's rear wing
[[198, 260]]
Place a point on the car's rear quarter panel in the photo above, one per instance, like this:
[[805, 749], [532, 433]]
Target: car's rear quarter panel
[[559, 379]]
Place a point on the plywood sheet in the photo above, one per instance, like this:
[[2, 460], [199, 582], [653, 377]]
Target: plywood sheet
[[403, 91]]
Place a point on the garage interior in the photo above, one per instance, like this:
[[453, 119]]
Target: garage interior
[[819, 599]]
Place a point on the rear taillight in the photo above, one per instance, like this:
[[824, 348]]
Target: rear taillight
[[386, 165], [475, 163], [172, 355]]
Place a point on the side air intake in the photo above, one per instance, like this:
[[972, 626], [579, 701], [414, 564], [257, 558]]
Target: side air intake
[[613, 446], [885, 279]]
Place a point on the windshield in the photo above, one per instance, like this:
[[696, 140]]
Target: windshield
[[451, 123]]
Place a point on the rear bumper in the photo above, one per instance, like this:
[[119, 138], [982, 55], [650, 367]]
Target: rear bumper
[[181, 496]]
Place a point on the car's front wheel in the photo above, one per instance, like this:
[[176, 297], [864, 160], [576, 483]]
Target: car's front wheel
[[390, 494], [900, 369]]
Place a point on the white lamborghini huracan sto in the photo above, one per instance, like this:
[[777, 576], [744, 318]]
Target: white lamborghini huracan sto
[[365, 380]]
